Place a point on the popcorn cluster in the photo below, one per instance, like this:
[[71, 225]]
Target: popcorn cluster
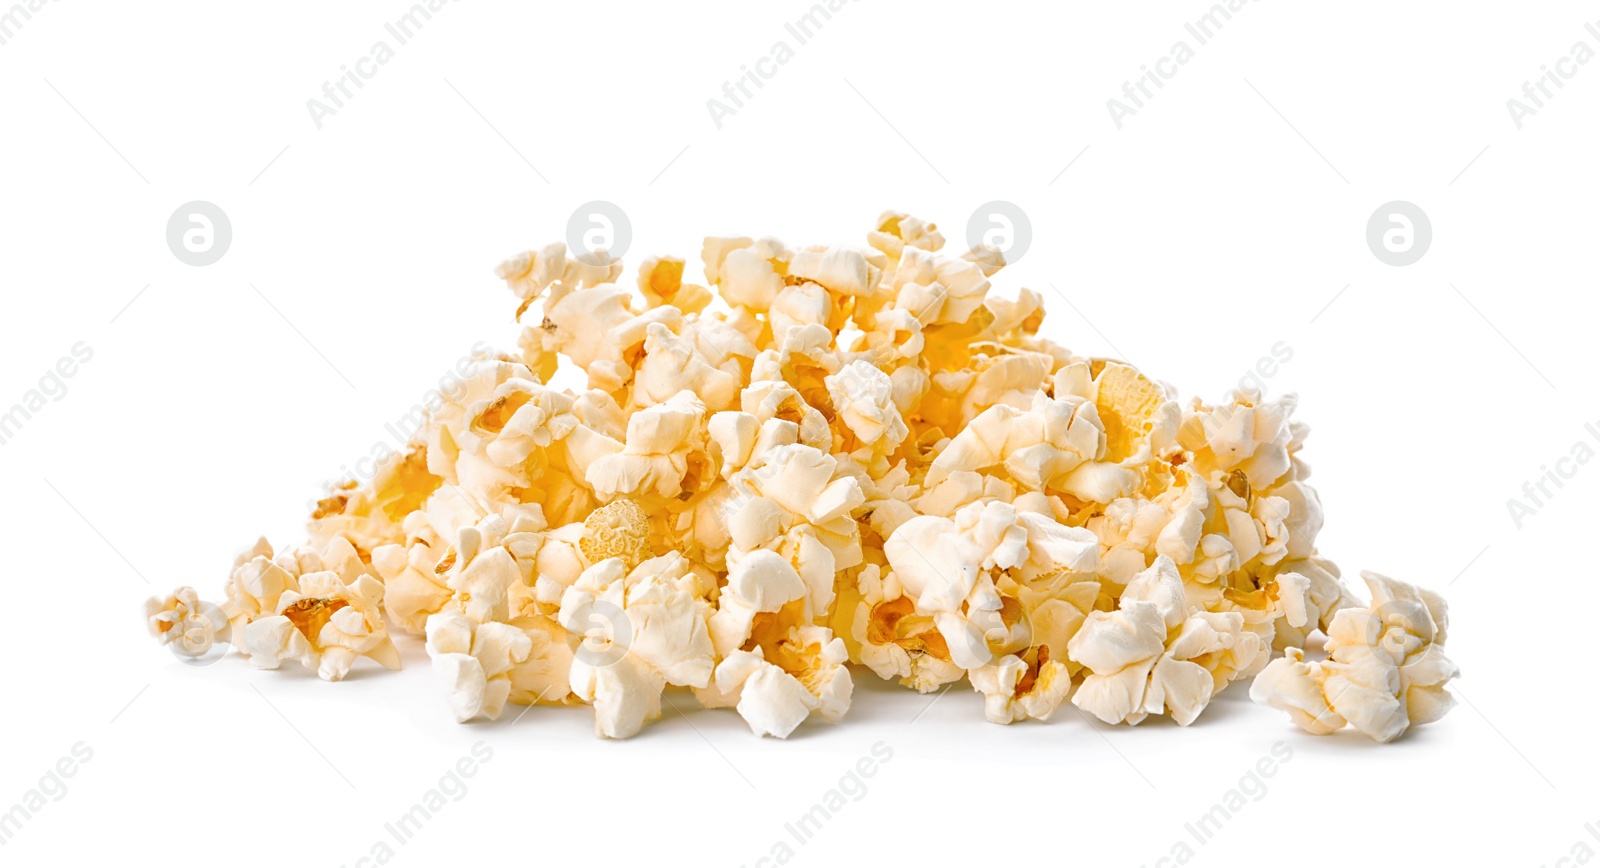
[[828, 456]]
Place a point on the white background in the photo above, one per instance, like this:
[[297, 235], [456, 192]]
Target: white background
[[1222, 218]]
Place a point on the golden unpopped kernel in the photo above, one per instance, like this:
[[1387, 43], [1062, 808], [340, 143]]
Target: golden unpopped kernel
[[852, 460]]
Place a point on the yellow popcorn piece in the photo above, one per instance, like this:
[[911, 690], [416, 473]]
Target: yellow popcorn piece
[[620, 529], [1128, 403]]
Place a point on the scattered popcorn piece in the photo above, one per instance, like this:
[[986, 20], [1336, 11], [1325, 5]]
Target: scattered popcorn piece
[[1386, 670], [182, 620]]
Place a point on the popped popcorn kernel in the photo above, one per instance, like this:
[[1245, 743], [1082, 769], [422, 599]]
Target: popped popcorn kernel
[[1386, 669], [184, 622]]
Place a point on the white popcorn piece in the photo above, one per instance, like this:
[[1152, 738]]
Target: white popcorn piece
[[650, 626], [962, 571], [325, 625], [762, 582], [776, 665], [863, 399], [807, 675], [413, 587], [545, 677], [1153, 655], [894, 640], [1386, 669], [1015, 689], [529, 273], [937, 290], [626, 694], [895, 231], [483, 565], [256, 584], [183, 620], [662, 442], [840, 269], [474, 661], [747, 274], [661, 611], [673, 365], [1037, 447]]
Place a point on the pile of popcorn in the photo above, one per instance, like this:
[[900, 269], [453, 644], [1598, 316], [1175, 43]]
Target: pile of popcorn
[[827, 458]]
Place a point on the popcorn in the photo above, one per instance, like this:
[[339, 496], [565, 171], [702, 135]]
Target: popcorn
[[661, 283], [896, 231], [1154, 655], [325, 625], [1037, 447], [1016, 689], [659, 614], [818, 457], [184, 621], [413, 587], [481, 568], [1139, 419], [674, 364], [543, 676], [256, 584], [626, 694], [775, 698], [964, 571], [895, 641], [862, 397], [473, 661], [761, 582], [664, 450], [653, 629], [748, 274], [1385, 673], [370, 517], [840, 270]]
